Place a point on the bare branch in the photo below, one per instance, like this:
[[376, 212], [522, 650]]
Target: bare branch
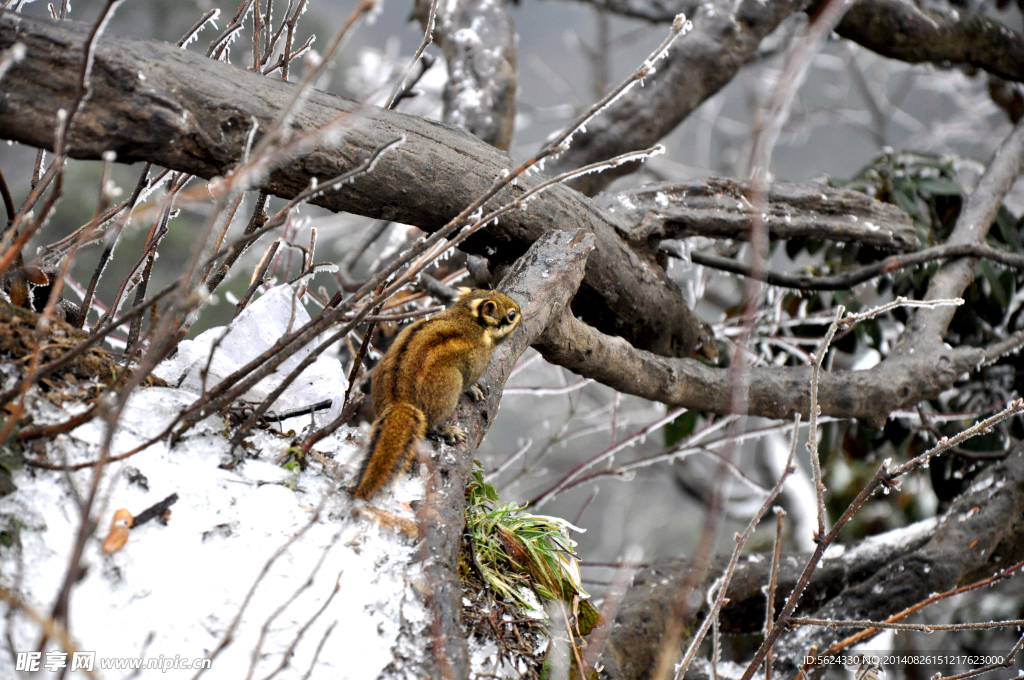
[[726, 34], [540, 298], [849, 279], [774, 392], [924, 628], [896, 29], [718, 207], [426, 183]]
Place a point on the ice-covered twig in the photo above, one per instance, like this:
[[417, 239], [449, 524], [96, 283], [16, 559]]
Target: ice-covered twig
[[900, 301], [562, 141], [193, 33], [741, 540], [885, 477], [923, 627], [608, 453], [428, 37], [773, 584], [549, 391], [815, 410], [1008, 661]]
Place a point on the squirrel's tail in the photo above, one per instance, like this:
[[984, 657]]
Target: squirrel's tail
[[392, 446]]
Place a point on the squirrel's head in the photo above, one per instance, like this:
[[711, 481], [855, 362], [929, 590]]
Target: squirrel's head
[[497, 313]]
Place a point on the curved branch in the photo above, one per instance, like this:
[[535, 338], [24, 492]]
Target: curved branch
[[981, 532], [194, 115], [542, 282], [638, 626], [718, 207], [774, 392], [479, 43], [919, 367], [725, 36], [897, 29], [849, 279]]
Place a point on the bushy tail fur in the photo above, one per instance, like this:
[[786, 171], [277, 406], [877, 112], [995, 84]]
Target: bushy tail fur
[[392, 446]]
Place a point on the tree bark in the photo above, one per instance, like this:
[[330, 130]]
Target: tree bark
[[155, 102], [543, 282]]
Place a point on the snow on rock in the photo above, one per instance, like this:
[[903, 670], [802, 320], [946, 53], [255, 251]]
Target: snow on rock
[[342, 594], [276, 313], [881, 543]]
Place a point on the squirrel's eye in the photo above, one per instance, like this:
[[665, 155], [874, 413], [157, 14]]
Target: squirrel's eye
[[512, 315]]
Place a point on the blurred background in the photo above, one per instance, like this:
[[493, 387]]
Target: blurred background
[[917, 133]]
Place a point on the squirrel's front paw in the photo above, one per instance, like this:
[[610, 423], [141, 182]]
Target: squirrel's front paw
[[476, 393]]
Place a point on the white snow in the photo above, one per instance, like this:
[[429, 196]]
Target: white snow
[[897, 537], [175, 589], [276, 313]]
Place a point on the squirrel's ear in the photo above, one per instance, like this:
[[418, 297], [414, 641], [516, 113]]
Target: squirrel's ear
[[487, 308]]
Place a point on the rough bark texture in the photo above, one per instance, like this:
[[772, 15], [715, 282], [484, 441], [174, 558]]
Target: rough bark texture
[[719, 207], [724, 39], [773, 392], [633, 643], [898, 29], [920, 366], [871, 580], [699, 64], [543, 282], [982, 532], [152, 101], [479, 43]]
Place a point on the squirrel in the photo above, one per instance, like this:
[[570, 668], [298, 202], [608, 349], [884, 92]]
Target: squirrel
[[417, 383]]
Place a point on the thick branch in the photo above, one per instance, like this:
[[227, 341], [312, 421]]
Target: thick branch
[[872, 579], [542, 282], [774, 392], [897, 29], [853, 277], [152, 101], [699, 64], [919, 367], [718, 207], [479, 43], [647, 605], [982, 531]]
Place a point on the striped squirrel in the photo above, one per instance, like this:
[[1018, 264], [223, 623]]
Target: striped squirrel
[[417, 383]]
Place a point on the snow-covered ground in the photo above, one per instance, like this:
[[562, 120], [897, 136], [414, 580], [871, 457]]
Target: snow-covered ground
[[340, 599]]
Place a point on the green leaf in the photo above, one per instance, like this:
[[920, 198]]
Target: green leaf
[[938, 186], [1008, 228], [680, 428], [999, 293], [905, 201]]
